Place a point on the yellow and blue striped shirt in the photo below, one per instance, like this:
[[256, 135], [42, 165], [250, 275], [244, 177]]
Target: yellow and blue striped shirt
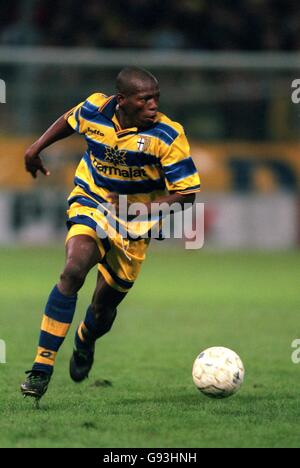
[[143, 164]]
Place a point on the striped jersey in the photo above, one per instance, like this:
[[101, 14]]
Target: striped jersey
[[143, 164]]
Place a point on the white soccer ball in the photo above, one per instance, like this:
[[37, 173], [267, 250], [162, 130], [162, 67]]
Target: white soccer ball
[[218, 372]]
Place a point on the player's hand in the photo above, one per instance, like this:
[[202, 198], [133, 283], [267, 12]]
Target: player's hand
[[33, 164]]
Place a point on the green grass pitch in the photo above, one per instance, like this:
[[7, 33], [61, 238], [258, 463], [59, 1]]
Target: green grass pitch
[[183, 302]]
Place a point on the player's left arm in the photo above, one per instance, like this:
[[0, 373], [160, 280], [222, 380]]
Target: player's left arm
[[181, 176], [183, 200]]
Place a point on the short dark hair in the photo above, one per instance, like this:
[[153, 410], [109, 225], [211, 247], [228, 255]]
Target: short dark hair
[[129, 78]]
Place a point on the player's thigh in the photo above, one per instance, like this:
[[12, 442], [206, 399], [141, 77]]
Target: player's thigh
[[121, 267], [82, 251]]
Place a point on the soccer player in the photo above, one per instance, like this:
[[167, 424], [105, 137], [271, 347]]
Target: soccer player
[[133, 150]]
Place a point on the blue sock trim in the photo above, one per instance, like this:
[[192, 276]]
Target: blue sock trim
[[49, 341], [43, 368], [60, 307]]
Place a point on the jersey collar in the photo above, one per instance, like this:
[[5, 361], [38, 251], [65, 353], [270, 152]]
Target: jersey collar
[[109, 107]]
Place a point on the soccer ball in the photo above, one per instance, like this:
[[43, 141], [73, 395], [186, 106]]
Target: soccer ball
[[218, 372]]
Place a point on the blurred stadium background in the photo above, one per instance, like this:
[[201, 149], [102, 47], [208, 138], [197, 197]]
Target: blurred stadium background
[[225, 74]]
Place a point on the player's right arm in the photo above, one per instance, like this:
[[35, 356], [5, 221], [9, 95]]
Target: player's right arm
[[67, 124], [58, 130]]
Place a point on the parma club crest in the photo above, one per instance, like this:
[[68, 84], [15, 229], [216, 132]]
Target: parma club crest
[[143, 143]]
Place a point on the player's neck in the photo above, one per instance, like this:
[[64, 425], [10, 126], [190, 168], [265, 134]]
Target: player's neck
[[123, 120]]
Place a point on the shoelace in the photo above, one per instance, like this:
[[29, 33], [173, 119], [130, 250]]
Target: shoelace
[[34, 375]]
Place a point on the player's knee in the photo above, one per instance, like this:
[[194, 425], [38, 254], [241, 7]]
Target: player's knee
[[73, 275]]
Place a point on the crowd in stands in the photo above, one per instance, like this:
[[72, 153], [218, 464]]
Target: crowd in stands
[[159, 24]]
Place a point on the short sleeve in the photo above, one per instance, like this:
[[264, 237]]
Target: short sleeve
[[80, 117], [73, 117], [179, 169]]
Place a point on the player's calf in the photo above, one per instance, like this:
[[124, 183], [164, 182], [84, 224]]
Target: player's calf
[[103, 320], [95, 325]]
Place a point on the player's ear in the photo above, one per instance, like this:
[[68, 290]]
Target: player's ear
[[120, 99]]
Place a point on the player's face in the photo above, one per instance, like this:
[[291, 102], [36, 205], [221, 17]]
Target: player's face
[[141, 106]]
